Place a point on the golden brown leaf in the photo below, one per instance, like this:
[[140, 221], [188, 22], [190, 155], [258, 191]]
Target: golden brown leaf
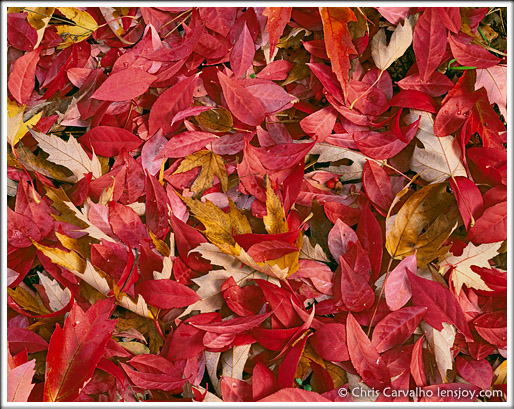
[[82, 245], [211, 163], [275, 219], [215, 120], [146, 327], [160, 245], [69, 260], [422, 224], [85, 25], [26, 301], [219, 226], [59, 199]]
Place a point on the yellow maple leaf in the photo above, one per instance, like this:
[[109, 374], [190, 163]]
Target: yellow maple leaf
[[28, 302], [220, 226], [211, 163], [275, 219], [69, 260], [16, 127], [85, 25]]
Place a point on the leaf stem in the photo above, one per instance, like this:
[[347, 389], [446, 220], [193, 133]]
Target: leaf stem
[[369, 89]]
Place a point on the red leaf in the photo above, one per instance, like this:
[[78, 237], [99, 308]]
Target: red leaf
[[329, 342], [272, 97], [294, 395], [377, 185], [450, 16], [396, 327], [413, 99], [397, 285], [287, 369], [270, 250], [243, 105], [157, 219], [437, 85], [20, 33], [278, 17], [351, 285], [21, 338], [478, 373], [149, 380], [338, 40], [244, 301], [442, 305], [219, 19], [166, 294], [471, 54], [492, 327], [283, 156], [320, 124], [241, 56], [491, 227], [175, 99], [76, 349], [235, 390], [187, 143], [339, 238], [417, 367], [126, 224], [381, 145], [469, 199], [429, 42], [124, 85], [321, 381], [187, 239], [370, 235], [365, 358], [264, 382], [276, 70], [109, 141], [234, 325], [22, 78]]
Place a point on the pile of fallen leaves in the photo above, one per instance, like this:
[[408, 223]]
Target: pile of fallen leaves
[[256, 204]]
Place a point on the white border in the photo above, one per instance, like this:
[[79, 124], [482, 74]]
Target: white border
[[3, 161]]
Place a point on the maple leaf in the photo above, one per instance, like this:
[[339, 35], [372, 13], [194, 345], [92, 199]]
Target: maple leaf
[[472, 255], [211, 163], [384, 55], [58, 298], [69, 154], [441, 343], [17, 127]]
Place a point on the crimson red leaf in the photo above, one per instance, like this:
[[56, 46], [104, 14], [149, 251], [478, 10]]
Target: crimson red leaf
[[264, 382], [492, 327], [235, 390], [244, 301], [234, 325], [241, 56], [243, 105], [294, 395], [442, 305], [477, 372], [471, 54], [429, 42], [339, 238], [166, 294], [278, 17], [352, 286], [469, 199], [417, 367], [365, 358], [109, 141], [329, 342], [124, 85], [320, 124], [149, 380], [284, 155], [270, 250], [20, 33], [21, 338], [397, 286], [413, 99], [126, 224], [22, 78], [491, 227], [187, 143], [75, 350], [396, 327], [287, 370], [377, 185]]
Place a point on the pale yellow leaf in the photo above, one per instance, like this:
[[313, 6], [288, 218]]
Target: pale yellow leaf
[[39, 17], [384, 55], [233, 361], [441, 342], [330, 153], [440, 157], [58, 297], [275, 218], [69, 154], [471, 256]]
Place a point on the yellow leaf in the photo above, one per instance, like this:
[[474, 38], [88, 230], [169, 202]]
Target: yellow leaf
[[275, 219], [14, 120], [215, 120], [81, 245], [211, 163], [69, 260], [85, 25], [160, 245], [59, 199], [432, 209], [220, 226], [26, 301], [501, 374], [471, 256]]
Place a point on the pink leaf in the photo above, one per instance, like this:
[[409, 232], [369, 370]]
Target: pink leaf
[[22, 78], [320, 124], [339, 238], [329, 342], [478, 373], [241, 56], [124, 85], [187, 143], [472, 54], [19, 381], [397, 285]]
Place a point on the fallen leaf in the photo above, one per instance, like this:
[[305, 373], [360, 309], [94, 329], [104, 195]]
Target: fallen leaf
[[85, 25], [384, 55]]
